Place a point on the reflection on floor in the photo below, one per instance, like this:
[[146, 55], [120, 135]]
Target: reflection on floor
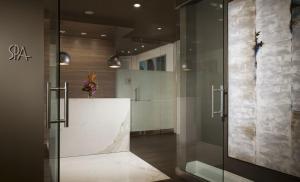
[[114, 167], [157, 150], [211, 173]]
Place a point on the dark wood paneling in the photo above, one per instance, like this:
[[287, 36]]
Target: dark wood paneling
[[88, 55]]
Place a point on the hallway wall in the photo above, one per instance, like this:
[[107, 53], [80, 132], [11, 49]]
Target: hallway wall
[[88, 55], [22, 91]]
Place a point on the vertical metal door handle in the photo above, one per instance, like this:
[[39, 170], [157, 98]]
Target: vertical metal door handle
[[48, 105], [66, 105], [212, 101], [136, 94], [213, 90], [221, 101], [66, 108]]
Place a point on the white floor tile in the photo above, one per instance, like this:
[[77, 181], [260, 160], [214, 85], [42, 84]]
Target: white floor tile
[[113, 167]]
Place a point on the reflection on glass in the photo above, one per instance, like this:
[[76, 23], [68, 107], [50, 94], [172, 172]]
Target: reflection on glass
[[200, 144], [52, 76], [157, 64]]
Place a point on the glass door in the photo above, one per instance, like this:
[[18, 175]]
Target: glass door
[[52, 94], [201, 90]]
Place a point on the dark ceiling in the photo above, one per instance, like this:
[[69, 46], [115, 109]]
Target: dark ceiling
[[142, 22]]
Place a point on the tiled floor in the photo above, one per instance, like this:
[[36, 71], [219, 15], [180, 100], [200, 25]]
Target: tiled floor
[[114, 167], [157, 150]]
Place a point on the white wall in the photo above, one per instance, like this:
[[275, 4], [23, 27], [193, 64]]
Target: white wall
[[168, 50]]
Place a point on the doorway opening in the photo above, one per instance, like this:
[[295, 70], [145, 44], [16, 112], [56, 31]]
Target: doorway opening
[[122, 90], [135, 74]]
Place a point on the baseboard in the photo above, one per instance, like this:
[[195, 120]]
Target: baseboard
[[152, 132]]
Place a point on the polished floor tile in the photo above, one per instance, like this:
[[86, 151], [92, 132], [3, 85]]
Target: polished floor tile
[[114, 167]]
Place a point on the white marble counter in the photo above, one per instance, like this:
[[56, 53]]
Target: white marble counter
[[97, 126]]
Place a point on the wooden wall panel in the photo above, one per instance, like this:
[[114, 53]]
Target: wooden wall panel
[[88, 55]]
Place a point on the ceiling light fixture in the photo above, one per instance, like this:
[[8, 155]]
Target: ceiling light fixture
[[64, 58], [159, 28], [89, 12], [62, 31], [83, 33], [103, 35], [142, 46], [137, 5], [135, 49], [114, 62]]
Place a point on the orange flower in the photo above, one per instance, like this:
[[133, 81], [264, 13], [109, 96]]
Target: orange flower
[[92, 77]]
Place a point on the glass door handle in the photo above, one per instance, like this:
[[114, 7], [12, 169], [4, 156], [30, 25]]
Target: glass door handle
[[136, 94], [213, 90], [66, 105]]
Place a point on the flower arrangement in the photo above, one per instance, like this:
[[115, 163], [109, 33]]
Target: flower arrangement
[[90, 85]]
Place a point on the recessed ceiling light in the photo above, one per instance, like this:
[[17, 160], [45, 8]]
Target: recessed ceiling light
[[137, 5], [103, 35], [142, 46], [83, 33], [135, 49], [89, 12], [62, 31], [159, 28]]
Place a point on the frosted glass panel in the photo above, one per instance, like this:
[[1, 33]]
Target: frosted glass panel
[[153, 98]]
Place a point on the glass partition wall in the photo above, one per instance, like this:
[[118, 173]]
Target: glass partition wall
[[149, 80], [153, 98], [200, 142]]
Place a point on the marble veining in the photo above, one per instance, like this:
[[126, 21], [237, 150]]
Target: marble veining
[[119, 142], [97, 126], [113, 167]]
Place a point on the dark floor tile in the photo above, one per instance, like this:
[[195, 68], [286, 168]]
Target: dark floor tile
[[157, 150]]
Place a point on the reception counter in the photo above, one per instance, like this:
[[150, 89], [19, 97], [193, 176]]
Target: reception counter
[[97, 126]]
